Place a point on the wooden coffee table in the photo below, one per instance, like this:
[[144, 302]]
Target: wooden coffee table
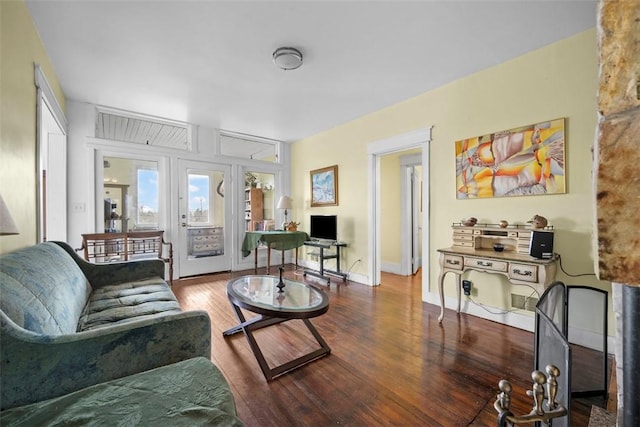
[[260, 295]]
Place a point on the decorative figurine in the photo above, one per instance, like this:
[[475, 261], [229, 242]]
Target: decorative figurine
[[538, 222], [503, 400], [470, 222], [544, 392], [537, 392], [504, 223], [281, 284]]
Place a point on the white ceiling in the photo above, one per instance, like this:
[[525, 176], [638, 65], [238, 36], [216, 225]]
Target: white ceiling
[[209, 62]]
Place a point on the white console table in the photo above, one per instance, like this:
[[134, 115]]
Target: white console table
[[519, 268]]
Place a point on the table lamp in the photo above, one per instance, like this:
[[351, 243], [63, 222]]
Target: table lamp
[[284, 203]]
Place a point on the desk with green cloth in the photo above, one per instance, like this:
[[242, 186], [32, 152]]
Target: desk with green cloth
[[278, 240]]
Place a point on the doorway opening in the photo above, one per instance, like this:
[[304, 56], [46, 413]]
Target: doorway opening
[[401, 212], [419, 138]]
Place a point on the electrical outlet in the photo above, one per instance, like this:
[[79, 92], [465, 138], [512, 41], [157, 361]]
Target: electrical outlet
[[466, 287]]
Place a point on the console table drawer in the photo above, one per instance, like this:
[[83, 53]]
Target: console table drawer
[[453, 262], [463, 244], [524, 272], [486, 264], [468, 231]]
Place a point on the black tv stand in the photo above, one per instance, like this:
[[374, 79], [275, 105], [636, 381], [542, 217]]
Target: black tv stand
[[322, 257]]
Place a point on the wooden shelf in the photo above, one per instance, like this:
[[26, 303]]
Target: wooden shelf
[[253, 207]]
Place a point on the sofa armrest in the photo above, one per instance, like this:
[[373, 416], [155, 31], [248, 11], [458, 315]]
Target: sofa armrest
[[99, 275], [57, 365]]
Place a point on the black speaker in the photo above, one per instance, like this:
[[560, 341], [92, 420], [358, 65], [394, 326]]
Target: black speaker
[[541, 245]]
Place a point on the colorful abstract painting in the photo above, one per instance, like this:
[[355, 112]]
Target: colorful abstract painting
[[518, 162]]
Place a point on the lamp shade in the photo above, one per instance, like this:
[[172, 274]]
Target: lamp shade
[[7, 225], [285, 202]]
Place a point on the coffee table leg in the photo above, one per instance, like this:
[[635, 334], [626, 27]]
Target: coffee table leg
[[295, 363], [264, 366], [317, 335], [257, 322], [248, 326]]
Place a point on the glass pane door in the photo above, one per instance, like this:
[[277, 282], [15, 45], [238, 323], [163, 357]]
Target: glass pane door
[[259, 203], [204, 219], [130, 195]]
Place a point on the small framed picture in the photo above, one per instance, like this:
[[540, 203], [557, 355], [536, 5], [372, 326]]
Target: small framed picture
[[324, 186]]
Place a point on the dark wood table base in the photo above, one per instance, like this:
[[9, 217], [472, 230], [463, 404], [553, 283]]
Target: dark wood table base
[[261, 321], [268, 248]]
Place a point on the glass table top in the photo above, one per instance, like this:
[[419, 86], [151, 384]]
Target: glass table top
[[260, 294]]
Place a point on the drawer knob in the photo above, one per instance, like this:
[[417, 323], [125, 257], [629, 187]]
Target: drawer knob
[[452, 262], [485, 264]]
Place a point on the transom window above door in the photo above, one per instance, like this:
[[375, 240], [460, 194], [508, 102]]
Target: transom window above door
[[141, 129], [249, 147]]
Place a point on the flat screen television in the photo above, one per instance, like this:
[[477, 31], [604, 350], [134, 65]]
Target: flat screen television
[[324, 227]]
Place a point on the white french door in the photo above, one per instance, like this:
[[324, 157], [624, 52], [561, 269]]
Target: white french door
[[205, 218]]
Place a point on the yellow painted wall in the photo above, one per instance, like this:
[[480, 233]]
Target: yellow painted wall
[[559, 80], [20, 48], [390, 209]]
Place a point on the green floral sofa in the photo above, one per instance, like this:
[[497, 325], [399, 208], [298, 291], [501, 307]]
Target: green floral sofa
[[69, 327]]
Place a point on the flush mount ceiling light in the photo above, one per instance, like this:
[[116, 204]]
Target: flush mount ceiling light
[[287, 58]]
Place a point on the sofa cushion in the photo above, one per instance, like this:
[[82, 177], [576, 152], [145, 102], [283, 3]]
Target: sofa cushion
[[124, 302], [43, 289], [188, 393]]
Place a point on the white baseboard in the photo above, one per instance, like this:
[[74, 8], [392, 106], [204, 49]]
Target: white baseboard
[[390, 267], [590, 339], [516, 320], [521, 321]]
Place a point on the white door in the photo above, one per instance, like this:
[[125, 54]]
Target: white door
[[205, 218], [416, 218], [55, 191]]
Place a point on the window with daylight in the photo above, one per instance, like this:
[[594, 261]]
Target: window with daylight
[[131, 193], [199, 197], [147, 198]]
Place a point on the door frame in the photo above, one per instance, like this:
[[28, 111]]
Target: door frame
[[419, 138], [183, 165], [50, 121]]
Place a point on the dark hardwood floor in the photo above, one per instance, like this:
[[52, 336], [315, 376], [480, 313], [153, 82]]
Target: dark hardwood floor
[[391, 363]]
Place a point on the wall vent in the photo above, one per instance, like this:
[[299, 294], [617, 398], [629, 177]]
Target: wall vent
[[138, 129], [523, 302]]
